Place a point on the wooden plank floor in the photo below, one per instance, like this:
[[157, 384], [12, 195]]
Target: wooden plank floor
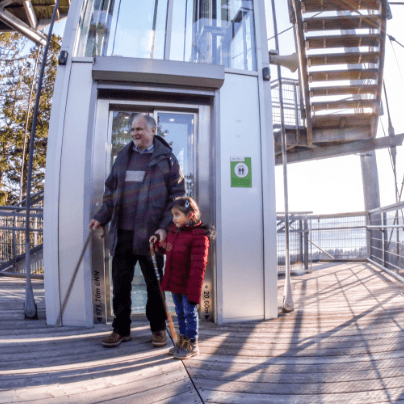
[[344, 343], [40, 364]]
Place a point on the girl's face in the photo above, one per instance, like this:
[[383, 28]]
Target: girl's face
[[180, 218]]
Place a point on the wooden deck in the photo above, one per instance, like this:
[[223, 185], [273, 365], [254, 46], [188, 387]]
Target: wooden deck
[[343, 344]]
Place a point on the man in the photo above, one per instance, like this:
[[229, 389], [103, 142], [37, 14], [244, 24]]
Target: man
[[144, 180]]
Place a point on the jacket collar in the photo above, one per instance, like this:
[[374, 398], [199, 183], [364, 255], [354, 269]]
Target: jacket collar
[[176, 229]]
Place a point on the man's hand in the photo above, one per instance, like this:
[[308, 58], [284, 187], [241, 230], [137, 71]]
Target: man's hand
[[94, 224], [162, 233]]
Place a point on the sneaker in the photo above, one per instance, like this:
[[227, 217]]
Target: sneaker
[[114, 340], [187, 350], [177, 346], [159, 338]]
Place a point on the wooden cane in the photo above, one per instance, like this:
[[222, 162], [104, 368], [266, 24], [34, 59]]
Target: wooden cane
[[156, 270], [62, 309]]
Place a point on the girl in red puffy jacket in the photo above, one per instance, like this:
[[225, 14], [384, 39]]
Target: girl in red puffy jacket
[[187, 248]]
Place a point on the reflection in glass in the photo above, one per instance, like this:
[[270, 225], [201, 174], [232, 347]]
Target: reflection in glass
[[133, 28], [135, 32], [202, 31], [222, 33], [121, 132], [178, 131]]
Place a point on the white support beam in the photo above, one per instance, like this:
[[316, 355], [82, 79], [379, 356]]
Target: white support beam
[[29, 10], [343, 149], [21, 27]]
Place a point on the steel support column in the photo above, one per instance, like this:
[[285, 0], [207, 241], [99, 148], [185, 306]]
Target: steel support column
[[371, 196], [21, 27]]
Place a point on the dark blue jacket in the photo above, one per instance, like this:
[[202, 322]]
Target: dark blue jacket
[[162, 183]]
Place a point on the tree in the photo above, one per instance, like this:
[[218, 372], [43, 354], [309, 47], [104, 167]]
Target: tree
[[18, 75]]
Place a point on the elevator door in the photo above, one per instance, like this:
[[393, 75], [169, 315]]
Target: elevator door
[[186, 128], [178, 130]]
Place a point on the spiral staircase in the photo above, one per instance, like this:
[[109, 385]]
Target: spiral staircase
[[341, 47]]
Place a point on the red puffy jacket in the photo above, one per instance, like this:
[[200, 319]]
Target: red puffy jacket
[[187, 251]]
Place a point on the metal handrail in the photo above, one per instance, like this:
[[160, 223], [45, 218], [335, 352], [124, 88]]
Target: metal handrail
[[394, 206], [391, 226], [274, 83]]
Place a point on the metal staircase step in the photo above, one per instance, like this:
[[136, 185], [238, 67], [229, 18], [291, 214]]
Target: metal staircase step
[[342, 41], [343, 90], [352, 74], [342, 22], [343, 104], [314, 6], [343, 58], [356, 58], [342, 121]]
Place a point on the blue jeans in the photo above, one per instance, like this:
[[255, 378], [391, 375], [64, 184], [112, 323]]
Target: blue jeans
[[187, 316]]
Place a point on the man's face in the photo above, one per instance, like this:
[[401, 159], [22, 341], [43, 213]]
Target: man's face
[[142, 137]]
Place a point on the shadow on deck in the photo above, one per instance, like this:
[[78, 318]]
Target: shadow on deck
[[343, 343]]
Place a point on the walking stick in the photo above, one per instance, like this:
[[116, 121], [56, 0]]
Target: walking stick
[[62, 309], [156, 270]]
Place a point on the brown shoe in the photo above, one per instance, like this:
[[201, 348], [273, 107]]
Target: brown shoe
[[188, 349], [177, 346], [159, 338], [114, 340]]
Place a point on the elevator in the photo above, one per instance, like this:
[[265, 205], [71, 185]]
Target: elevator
[[197, 68]]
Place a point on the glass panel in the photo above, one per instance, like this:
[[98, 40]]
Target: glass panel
[[221, 32], [121, 132], [203, 31], [134, 34], [131, 28], [178, 131], [95, 27]]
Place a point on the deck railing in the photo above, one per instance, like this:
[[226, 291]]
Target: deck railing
[[300, 250], [386, 238], [12, 236], [335, 237], [377, 236]]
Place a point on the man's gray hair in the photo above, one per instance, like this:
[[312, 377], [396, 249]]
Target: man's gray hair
[[150, 121]]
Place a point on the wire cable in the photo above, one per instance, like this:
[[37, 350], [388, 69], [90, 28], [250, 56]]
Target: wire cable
[[285, 30], [395, 55], [395, 40]]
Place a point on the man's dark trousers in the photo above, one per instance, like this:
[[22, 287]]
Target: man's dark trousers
[[123, 266]]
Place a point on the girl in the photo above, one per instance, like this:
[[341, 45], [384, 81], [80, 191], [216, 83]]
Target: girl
[[187, 247]]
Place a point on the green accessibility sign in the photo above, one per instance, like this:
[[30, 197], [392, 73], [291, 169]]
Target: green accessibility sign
[[240, 168]]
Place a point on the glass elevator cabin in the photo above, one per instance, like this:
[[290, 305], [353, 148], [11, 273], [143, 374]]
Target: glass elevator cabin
[[205, 31], [196, 66]]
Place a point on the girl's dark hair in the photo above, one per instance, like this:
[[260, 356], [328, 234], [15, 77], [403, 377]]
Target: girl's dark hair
[[187, 205]]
